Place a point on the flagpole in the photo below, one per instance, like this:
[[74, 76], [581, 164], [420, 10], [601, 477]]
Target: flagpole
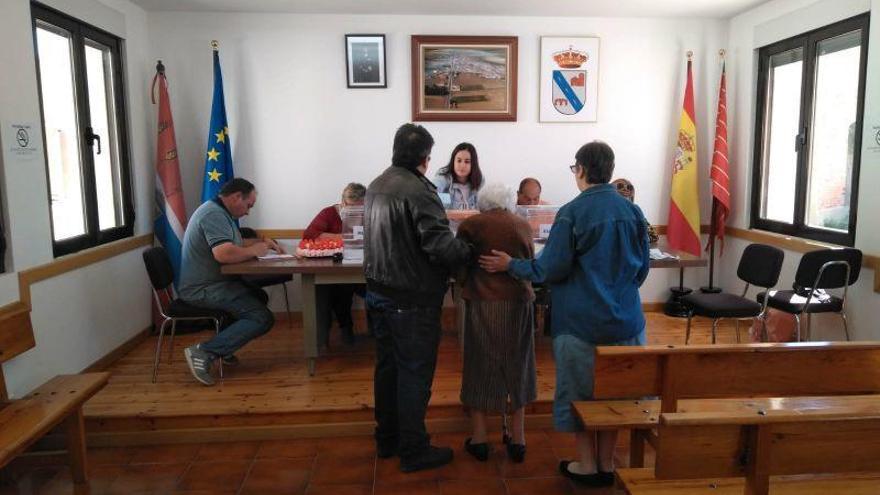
[[713, 225]]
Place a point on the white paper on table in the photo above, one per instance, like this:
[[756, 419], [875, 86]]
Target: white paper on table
[[656, 254], [274, 256]]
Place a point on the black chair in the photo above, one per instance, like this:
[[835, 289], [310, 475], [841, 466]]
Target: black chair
[[161, 278], [822, 269], [267, 280], [759, 265]]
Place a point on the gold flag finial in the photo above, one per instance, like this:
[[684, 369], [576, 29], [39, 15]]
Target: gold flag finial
[[721, 53], [690, 55], [215, 45]]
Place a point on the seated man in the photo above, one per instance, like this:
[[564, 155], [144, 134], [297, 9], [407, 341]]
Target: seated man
[[212, 239], [328, 224], [529, 193]]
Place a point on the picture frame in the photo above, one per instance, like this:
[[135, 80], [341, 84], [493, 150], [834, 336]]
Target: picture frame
[[464, 78], [365, 61], [569, 86]]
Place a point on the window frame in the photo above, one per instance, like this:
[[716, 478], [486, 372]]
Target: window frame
[[808, 42], [79, 31]]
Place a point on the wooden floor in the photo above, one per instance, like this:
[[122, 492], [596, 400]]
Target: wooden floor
[[270, 394]]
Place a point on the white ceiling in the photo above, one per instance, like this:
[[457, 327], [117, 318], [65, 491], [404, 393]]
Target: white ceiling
[[553, 8]]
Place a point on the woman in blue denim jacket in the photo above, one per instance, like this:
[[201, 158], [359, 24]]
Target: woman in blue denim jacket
[[461, 178], [595, 260]]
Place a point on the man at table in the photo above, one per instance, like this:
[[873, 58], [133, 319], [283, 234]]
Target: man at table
[[529, 193], [327, 224], [212, 239], [408, 252], [595, 260]]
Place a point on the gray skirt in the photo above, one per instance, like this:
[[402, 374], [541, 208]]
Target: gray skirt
[[499, 355]]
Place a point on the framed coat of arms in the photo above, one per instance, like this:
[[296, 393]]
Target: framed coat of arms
[[569, 79]]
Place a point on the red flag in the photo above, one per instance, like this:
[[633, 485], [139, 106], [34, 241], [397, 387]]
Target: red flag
[[720, 165]]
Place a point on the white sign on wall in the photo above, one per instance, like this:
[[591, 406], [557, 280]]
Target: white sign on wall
[[569, 79], [21, 142]]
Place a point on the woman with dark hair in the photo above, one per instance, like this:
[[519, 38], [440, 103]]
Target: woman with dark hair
[[461, 178]]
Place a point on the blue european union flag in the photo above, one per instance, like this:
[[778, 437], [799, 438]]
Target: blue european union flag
[[218, 159]]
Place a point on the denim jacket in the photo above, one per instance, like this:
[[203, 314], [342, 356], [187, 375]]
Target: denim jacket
[[595, 260]]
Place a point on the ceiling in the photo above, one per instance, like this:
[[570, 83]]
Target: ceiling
[[552, 8]]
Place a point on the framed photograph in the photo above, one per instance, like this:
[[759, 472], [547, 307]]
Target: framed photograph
[[464, 78], [365, 60], [569, 79]]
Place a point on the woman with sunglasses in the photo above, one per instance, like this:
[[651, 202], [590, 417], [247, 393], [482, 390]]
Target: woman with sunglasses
[[626, 189]]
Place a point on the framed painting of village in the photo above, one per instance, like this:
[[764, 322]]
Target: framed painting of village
[[569, 79], [464, 78]]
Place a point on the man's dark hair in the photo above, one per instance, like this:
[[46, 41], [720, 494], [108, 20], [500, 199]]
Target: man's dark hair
[[528, 180], [597, 160], [236, 185], [475, 178], [412, 144]]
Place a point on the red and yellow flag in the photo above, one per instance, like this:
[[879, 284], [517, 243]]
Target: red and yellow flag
[[720, 163], [683, 231]]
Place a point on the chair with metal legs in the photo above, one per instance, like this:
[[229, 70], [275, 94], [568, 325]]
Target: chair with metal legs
[[759, 265], [172, 309], [818, 270]]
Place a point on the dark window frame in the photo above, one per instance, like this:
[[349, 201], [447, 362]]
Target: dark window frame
[[80, 31], [808, 42]]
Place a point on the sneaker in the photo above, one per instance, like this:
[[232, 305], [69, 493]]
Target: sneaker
[[431, 457], [230, 360], [199, 363]]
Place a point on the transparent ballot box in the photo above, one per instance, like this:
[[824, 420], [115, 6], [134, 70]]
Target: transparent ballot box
[[540, 218], [457, 216], [352, 233]]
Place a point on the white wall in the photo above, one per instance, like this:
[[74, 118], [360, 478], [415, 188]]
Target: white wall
[[300, 135], [767, 24], [81, 316]]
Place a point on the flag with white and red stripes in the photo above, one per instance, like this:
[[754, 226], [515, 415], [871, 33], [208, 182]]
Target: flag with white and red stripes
[[720, 168]]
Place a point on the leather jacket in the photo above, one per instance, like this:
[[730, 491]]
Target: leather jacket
[[408, 247]]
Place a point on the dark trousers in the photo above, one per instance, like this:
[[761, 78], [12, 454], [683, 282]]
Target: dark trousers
[[407, 338], [340, 297]]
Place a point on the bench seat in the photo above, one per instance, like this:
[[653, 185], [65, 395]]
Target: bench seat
[[642, 482], [26, 420]]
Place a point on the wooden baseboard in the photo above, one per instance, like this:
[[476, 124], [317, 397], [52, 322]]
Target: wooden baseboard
[[116, 354], [275, 432]]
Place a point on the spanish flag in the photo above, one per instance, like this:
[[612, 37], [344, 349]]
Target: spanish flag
[[683, 231]]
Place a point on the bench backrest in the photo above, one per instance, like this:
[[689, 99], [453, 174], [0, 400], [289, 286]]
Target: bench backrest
[[725, 445], [727, 371], [16, 335]]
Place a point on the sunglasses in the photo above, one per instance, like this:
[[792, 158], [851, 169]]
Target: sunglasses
[[625, 187]]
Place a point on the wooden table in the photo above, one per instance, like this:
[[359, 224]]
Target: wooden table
[[316, 272]]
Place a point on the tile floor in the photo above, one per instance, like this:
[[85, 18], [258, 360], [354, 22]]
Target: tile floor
[[337, 466]]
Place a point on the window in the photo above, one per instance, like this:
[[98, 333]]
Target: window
[[808, 133], [79, 69]]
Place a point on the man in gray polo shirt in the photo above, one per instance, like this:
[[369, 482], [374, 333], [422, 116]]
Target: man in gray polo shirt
[[212, 239]]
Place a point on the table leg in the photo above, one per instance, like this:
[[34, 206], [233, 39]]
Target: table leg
[[76, 446], [310, 320]]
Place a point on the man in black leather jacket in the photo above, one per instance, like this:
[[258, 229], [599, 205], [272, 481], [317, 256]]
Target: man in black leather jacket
[[408, 253]]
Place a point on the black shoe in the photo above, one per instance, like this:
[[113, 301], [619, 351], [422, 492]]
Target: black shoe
[[386, 450], [429, 458], [516, 452], [593, 480], [480, 451], [607, 477]]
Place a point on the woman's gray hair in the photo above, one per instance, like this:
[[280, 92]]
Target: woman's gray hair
[[496, 195]]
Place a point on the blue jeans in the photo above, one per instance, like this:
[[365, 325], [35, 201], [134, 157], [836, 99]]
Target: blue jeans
[[252, 317], [407, 338], [575, 363]]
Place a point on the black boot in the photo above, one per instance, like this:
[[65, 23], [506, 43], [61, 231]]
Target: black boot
[[429, 458]]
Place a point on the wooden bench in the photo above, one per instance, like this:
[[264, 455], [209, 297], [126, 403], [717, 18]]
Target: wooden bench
[[680, 374], [57, 402], [817, 450]]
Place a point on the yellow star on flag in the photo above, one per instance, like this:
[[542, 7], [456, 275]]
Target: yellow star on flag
[[221, 136], [213, 154], [214, 175]]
